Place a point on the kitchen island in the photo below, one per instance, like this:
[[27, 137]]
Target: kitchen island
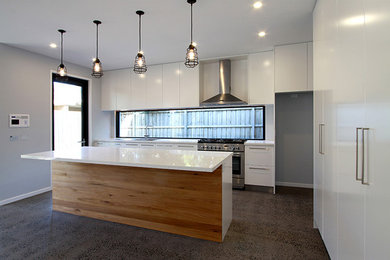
[[182, 192]]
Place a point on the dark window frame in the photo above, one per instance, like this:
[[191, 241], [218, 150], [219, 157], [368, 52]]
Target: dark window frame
[[117, 118], [84, 84]]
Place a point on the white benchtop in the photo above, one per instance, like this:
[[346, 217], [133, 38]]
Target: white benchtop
[[259, 142], [149, 158], [141, 140]]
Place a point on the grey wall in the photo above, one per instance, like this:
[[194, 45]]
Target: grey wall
[[294, 138], [25, 88]]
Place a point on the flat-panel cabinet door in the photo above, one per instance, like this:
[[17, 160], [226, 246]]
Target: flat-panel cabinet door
[[171, 85], [138, 91], [348, 95], [310, 66], [261, 78], [154, 88], [108, 97], [189, 86], [318, 158], [123, 88], [377, 89], [326, 55], [291, 68]]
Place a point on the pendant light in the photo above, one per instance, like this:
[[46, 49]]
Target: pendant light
[[140, 64], [97, 70], [61, 69], [192, 53]]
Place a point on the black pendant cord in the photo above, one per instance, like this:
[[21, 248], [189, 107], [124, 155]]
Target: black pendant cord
[[62, 47], [97, 41], [191, 23], [139, 34]]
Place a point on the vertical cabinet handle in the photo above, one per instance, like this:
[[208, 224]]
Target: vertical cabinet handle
[[357, 154], [362, 179], [320, 139], [363, 155]]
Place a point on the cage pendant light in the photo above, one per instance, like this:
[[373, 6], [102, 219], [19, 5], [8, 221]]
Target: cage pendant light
[[97, 70], [61, 69], [192, 53], [140, 63]]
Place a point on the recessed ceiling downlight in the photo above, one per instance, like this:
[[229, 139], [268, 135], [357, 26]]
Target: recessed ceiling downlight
[[261, 34], [257, 5], [53, 45]]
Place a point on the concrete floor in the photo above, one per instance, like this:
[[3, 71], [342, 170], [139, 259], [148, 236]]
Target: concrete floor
[[264, 226]]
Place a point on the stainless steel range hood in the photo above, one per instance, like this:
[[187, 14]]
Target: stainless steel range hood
[[224, 97]]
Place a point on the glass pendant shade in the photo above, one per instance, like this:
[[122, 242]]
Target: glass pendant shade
[[97, 69], [139, 62], [192, 57], [61, 69]]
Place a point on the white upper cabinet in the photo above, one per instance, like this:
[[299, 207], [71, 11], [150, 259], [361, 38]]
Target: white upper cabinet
[[123, 88], [292, 68], [162, 86], [108, 98], [189, 86], [310, 66], [154, 87], [138, 91], [261, 78], [171, 85]]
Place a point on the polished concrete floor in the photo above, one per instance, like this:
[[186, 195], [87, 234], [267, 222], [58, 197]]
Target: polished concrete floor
[[264, 226]]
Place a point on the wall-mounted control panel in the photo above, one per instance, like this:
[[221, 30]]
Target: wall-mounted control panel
[[19, 120]]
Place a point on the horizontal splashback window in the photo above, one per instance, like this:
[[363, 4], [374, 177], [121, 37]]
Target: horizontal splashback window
[[234, 122]]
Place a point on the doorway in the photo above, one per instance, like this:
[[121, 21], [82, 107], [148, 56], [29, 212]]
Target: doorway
[[69, 112]]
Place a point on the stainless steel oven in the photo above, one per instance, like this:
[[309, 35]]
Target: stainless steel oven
[[236, 146]]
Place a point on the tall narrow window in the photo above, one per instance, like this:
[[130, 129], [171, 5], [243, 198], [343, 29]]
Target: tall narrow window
[[70, 113]]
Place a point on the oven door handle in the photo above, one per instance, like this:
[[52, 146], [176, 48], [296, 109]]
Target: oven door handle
[[237, 154]]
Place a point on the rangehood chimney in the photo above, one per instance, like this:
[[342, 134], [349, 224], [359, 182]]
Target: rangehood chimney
[[224, 97]]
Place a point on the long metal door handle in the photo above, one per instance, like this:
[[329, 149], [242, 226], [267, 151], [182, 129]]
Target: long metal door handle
[[258, 148], [321, 141], [258, 168], [357, 154], [320, 138], [363, 155]]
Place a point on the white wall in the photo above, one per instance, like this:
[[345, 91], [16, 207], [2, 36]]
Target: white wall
[[25, 88]]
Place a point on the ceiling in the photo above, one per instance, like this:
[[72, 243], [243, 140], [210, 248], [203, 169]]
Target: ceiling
[[221, 28]]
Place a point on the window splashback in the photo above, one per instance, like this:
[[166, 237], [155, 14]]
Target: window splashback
[[237, 123]]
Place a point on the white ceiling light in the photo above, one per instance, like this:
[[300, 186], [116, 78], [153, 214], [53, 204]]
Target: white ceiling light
[[53, 45], [257, 5], [261, 34]]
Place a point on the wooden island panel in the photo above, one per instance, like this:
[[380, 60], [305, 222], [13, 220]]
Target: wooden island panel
[[181, 202]]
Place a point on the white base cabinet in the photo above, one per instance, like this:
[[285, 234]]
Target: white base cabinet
[[260, 165], [352, 127], [149, 145]]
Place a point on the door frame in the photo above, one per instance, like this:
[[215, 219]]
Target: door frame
[[84, 83]]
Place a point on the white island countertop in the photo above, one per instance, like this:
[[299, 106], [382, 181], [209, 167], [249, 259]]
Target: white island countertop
[[160, 159]]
